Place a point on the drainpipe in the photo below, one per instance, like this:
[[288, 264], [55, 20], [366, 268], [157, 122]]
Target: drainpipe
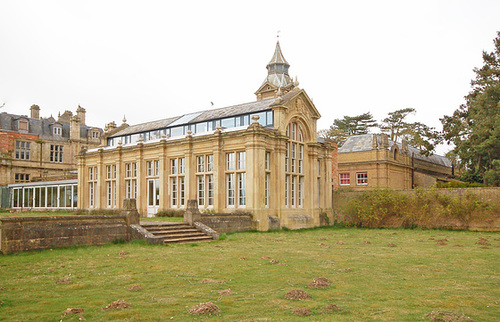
[[413, 170]]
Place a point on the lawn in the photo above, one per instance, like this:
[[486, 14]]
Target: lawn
[[379, 274]]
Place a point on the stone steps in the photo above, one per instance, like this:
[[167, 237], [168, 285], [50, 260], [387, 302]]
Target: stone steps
[[175, 232]]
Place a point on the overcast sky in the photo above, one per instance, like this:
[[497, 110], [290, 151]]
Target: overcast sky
[[150, 60]]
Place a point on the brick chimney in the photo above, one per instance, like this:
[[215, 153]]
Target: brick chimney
[[35, 111], [80, 112]]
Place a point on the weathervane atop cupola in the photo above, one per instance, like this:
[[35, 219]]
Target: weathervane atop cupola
[[278, 79]]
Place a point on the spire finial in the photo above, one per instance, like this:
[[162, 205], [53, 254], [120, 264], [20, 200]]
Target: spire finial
[[124, 119], [278, 35]]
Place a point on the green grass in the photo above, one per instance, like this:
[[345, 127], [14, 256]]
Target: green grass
[[369, 281], [6, 214]]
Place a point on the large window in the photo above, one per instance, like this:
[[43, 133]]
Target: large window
[[56, 153], [362, 178], [153, 168], [131, 180], [236, 179], [23, 150], [267, 181], [345, 179], [92, 178], [22, 177], [111, 186], [52, 196], [294, 166], [205, 180], [177, 182]]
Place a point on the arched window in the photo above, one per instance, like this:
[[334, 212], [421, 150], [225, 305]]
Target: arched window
[[294, 166]]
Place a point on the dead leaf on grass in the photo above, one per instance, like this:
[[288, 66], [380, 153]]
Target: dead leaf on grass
[[319, 282], [226, 292], [483, 241], [441, 242], [345, 270], [301, 311], [340, 242], [458, 245], [209, 280], [204, 308], [297, 295], [367, 242], [243, 258], [122, 253], [274, 261], [332, 308], [391, 245], [64, 280], [265, 257], [117, 305], [75, 310], [325, 245], [136, 287], [447, 317]]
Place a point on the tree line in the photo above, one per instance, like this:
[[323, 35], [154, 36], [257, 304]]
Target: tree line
[[473, 129]]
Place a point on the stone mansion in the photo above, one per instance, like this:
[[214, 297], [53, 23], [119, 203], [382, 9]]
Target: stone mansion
[[261, 157]]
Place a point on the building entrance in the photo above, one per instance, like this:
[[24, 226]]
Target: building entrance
[[153, 196]]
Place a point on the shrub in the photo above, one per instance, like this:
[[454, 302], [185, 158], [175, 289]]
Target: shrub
[[457, 184], [170, 213], [423, 208]]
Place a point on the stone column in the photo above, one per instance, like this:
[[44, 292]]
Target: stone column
[[192, 213]]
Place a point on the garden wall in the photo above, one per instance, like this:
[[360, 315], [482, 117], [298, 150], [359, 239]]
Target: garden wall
[[224, 223], [19, 234], [457, 208]]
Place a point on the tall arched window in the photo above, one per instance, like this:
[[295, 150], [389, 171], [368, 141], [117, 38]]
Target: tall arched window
[[294, 166]]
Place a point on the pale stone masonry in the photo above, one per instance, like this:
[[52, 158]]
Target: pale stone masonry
[[261, 158]]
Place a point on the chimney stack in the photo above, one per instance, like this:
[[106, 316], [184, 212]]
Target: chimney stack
[[80, 112], [35, 111]]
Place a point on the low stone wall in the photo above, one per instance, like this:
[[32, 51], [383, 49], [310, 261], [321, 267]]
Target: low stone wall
[[34, 233], [19, 234], [224, 223]]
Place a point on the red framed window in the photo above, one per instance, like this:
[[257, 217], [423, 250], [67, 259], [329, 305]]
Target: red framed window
[[345, 179]]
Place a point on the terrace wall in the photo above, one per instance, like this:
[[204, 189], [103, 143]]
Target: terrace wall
[[18, 234], [224, 223]]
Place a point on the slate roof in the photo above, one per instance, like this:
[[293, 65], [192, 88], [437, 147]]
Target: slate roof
[[41, 127], [206, 115], [360, 143]]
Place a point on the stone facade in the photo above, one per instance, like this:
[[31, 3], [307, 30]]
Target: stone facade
[[41, 149], [262, 158], [373, 161]]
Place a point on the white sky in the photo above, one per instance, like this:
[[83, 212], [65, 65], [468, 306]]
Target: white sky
[[150, 60]]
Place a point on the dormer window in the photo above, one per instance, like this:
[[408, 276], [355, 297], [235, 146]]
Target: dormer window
[[57, 130], [95, 134], [23, 125]]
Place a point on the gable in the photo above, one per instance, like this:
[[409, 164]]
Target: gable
[[300, 103]]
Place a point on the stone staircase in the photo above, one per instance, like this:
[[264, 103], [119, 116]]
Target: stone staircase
[[173, 232]]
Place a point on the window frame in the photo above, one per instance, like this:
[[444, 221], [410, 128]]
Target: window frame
[[362, 178], [347, 178]]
